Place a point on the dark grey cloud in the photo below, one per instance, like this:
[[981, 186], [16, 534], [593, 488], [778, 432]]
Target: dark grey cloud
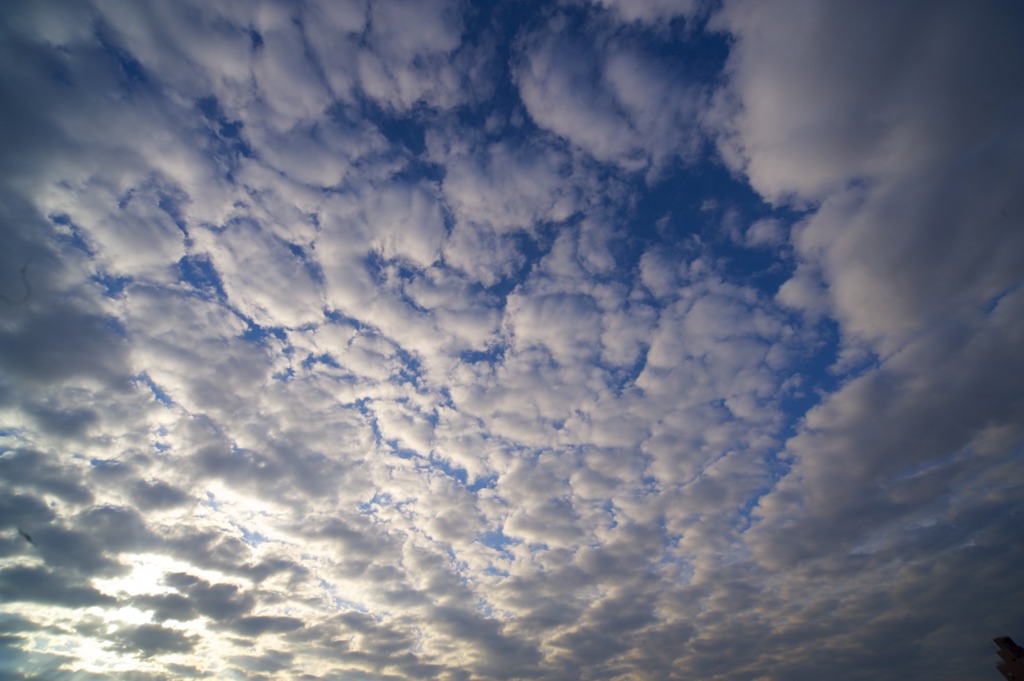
[[258, 625], [167, 607], [24, 510], [39, 585], [43, 474], [157, 494], [270, 662], [220, 551], [147, 640], [75, 550], [216, 601]]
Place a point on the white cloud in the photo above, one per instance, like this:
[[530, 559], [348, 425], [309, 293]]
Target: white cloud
[[621, 105], [510, 189], [261, 276], [765, 232], [651, 11], [888, 140], [409, 57], [286, 391], [565, 326], [909, 210]]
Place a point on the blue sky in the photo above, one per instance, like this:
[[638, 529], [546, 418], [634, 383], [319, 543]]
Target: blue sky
[[592, 339]]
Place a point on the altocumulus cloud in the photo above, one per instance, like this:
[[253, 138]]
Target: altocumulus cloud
[[510, 340]]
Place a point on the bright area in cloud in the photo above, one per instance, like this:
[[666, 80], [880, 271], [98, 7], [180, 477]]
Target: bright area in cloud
[[455, 340]]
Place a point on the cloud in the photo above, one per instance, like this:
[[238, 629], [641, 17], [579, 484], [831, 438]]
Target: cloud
[[151, 639], [250, 263], [908, 208], [39, 585], [904, 216], [900, 215], [651, 11], [620, 105], [765, 232], [442, 340], [258, 625], [409, 61], [894, 425]]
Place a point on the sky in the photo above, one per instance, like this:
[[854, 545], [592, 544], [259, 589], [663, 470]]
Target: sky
[[465, 340]]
